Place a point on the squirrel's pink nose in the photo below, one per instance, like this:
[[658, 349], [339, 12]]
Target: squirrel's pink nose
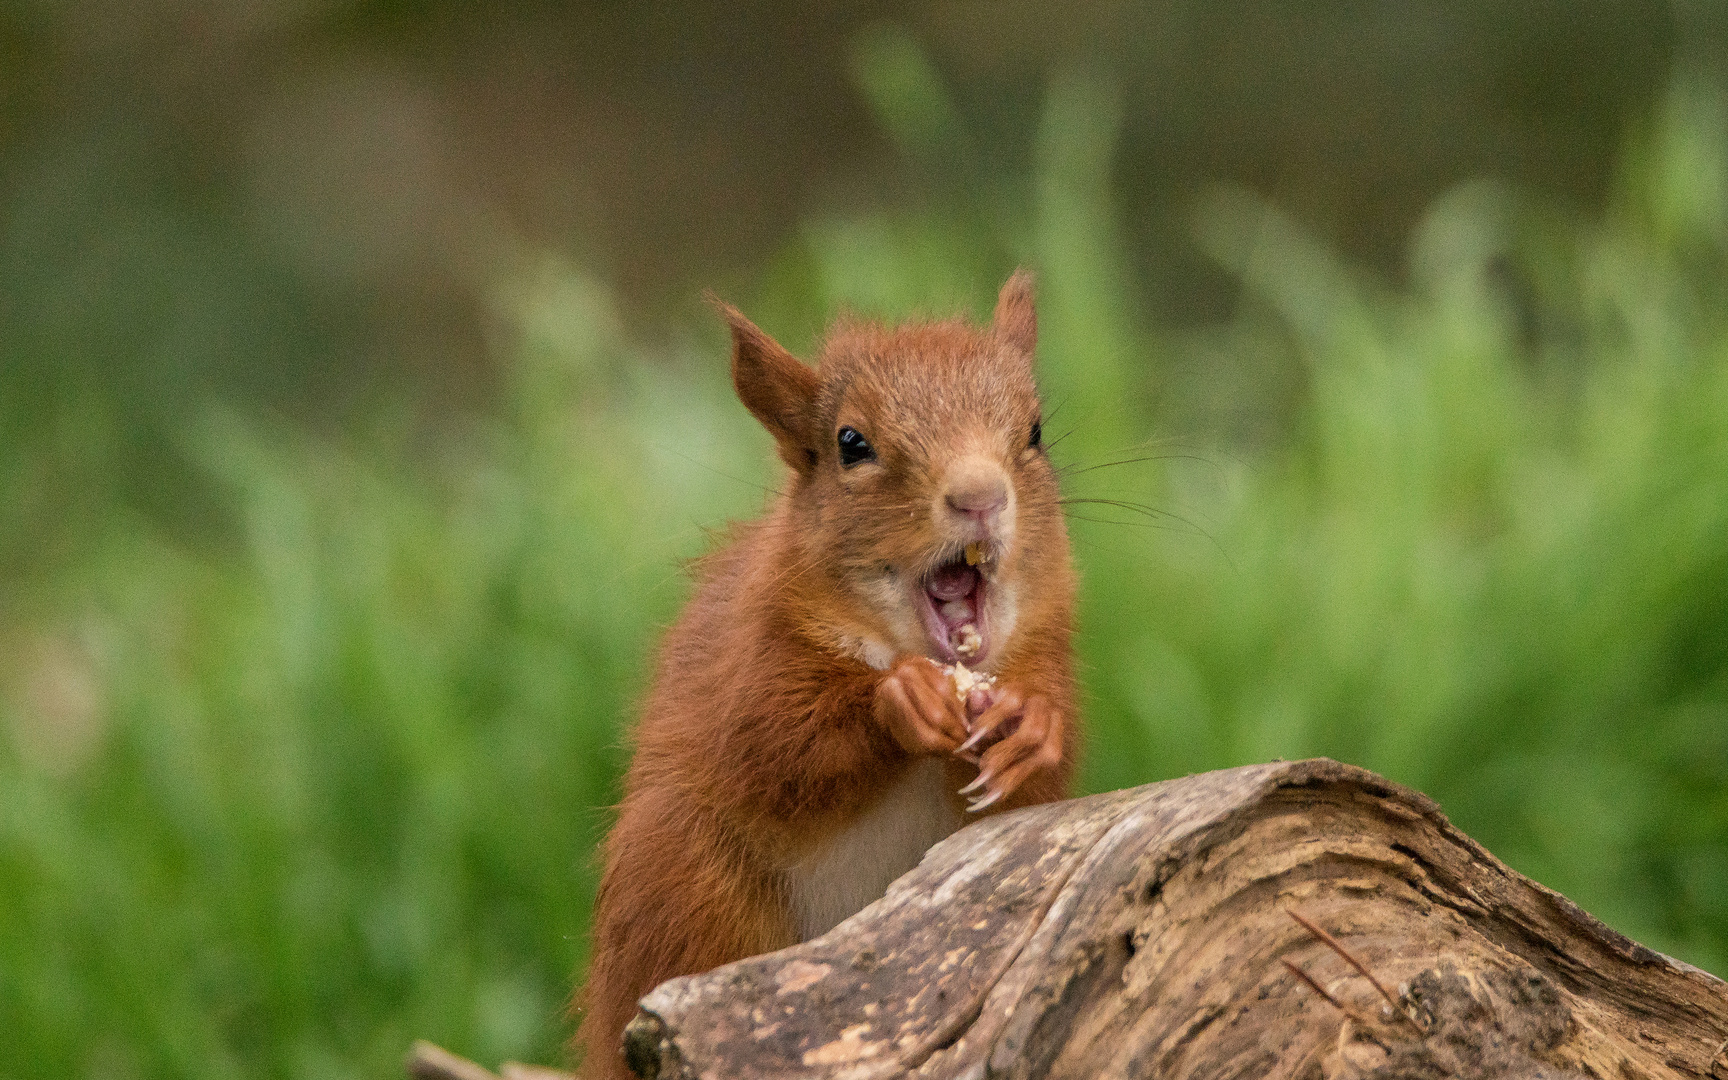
[[977, 488]]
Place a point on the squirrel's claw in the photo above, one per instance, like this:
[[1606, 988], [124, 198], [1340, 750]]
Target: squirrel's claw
[[1006, 707], [1033, 743], [984, 802], [978, 736], [983, 778]]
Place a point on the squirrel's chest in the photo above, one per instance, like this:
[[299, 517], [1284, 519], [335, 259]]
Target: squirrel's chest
[[855, 866]]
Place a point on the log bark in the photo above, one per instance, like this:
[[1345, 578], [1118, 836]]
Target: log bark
[[1295, 919]]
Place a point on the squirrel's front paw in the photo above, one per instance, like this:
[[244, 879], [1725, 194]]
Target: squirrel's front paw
[[917, 704], [1024, 735]]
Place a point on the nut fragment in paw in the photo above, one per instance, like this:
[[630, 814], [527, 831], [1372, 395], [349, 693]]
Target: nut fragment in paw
[[970, 640], [966, 680]]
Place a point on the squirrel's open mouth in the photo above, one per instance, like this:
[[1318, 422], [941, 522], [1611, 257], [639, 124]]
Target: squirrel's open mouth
[[952, 604]]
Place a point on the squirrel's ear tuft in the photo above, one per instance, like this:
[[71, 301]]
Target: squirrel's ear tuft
[[775, 386], [1015, 321]]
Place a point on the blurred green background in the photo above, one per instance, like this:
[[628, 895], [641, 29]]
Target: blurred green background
[[357, 407]]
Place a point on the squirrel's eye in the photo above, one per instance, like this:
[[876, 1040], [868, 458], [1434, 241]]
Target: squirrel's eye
[[1037, 433], [854, 448]]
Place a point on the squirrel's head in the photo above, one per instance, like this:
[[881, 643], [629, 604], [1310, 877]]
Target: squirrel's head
[[923, 511]]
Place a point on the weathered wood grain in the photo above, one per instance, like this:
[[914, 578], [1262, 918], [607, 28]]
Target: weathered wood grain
[[1146, 933]]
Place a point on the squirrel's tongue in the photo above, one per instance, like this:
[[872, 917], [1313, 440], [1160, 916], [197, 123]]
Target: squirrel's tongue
[[954, 581]]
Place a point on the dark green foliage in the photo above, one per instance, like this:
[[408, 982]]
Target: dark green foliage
[[277, 804]]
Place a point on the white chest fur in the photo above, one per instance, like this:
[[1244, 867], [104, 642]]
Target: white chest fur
[[853, 867]]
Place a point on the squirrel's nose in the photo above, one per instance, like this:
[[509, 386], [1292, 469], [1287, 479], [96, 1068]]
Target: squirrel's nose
[[976, 488]]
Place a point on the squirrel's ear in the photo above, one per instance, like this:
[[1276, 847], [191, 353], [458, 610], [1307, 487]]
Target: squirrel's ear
[[775, 386], [1015, 321]]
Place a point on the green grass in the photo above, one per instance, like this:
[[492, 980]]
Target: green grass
[[280, 795]]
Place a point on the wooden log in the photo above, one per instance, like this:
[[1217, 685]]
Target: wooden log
[[1295, 919]]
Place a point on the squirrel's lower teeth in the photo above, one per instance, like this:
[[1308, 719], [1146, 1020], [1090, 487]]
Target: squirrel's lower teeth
[[970, 641]]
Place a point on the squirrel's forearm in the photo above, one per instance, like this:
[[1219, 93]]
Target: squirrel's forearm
[[814, 746]]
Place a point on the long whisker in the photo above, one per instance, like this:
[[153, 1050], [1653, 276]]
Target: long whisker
[[1174, 443], [1178, 527], [1157, 519], [1077, 469], [1204, 453], [1071, 516], [725, 475], [792, 572], [1139, 508], [1057, 441]]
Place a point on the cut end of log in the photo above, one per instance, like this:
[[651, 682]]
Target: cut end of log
[[648, 1048]]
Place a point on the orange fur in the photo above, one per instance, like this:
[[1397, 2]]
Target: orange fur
[[767, 733]]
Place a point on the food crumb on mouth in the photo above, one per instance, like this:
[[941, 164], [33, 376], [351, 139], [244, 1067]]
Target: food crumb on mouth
[[970, 640], [966, 680]]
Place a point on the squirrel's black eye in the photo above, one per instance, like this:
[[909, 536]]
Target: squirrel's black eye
[[1037, 433], [854, 448]]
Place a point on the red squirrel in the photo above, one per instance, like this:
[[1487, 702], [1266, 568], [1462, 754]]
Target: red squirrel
[[889, 639]]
